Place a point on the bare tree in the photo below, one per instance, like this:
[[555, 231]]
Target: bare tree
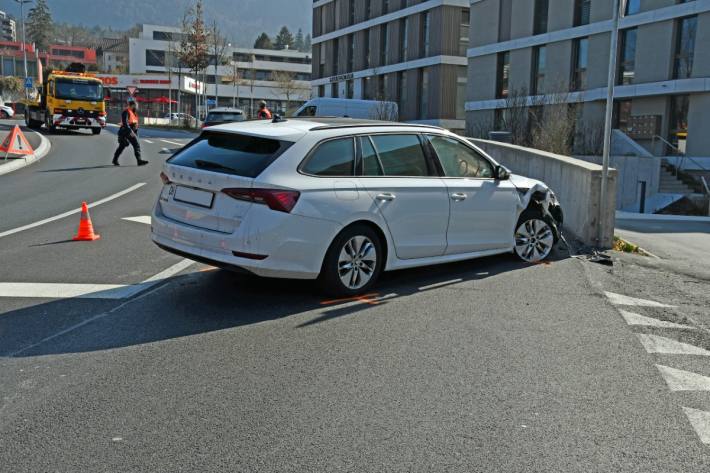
[[219, 46], [555, 130], [286, 85]]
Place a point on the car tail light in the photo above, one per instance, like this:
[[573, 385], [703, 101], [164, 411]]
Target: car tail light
[[58, 111], [164, 177], [276, 199]]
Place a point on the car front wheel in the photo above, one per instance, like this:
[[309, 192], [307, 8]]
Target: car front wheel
[[353, 262], [534, 237]]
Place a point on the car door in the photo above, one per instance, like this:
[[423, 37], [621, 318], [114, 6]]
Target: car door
[[483, 209], [405, 189]]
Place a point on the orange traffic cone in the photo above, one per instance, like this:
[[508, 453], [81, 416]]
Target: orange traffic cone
[[86, 228]]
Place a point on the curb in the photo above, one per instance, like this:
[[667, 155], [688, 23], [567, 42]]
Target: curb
[[18, 163], [660, 218]]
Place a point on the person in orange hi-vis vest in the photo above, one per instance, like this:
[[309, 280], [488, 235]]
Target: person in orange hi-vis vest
[[264, 113], [128, 133]]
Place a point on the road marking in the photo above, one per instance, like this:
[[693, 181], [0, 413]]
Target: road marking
[[667, 346], [172, 142], [700, 420], [72, 212], [440, 284], [88, 291], [619, 299], [680, 380], [141, 219], [148, 141], [636, 319]]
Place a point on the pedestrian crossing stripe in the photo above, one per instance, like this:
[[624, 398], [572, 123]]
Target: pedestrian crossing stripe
[[140, 219], [681, 380], [668, 346], [637, 319], [620, 299], [700, 420]]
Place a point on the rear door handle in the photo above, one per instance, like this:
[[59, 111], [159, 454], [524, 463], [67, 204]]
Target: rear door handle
[[458, 196], [386, 196]]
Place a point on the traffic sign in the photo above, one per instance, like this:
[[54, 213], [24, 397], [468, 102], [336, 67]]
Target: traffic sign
[[132, 89], [29, 83], [211, 102]]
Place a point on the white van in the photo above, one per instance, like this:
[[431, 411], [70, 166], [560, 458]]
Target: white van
[[352, 108]]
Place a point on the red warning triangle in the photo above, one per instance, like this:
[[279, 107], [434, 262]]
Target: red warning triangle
[[16, 143]]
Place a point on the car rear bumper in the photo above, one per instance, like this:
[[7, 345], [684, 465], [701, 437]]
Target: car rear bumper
[[287, 242]]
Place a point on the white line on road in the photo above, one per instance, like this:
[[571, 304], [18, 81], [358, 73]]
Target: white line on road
[[700, 420], [71, 212], [140, 219], [148, 141], [637, 319], [668, 346], [680, 380], [620, 299], [172, 142]]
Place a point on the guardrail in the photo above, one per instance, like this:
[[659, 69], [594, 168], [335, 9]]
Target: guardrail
[[576, 183]]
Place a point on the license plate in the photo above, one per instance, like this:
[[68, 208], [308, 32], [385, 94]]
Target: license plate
[[192, 196]]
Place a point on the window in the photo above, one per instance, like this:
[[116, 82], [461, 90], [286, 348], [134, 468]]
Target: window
[[351, 12], [632, 7], [686, 29], [78, 89], [464, 29], [368, 9], [401, 155], [385, 6], [540, 16], [332, 158], [424, 93], [384, 43], [229, 153], [402, 95], [503, 75], [403, 33], [537, 84], [154, 57], [380, 87], [350, 89], [321, 60], [582, 9], [366, 49], [424, 40], [461, 85], [627, 61], [580, 60], [678, 126], [371, 165], [622, 114], [334, 90], [321, 91], [367, 88], [351, 52], [459, 160], [336, 53], [309, 111]]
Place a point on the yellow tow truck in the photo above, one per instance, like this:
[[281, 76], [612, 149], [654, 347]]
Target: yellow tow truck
[[70, 100]]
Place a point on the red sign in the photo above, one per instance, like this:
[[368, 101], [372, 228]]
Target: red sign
[[132, 89], [109, 80]]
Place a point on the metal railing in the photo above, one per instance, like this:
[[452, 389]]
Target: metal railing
[[681, 154]]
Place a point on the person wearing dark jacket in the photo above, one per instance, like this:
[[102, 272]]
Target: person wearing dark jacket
[[128, 133]]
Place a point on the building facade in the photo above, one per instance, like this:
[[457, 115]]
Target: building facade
[[412, 52], [242, 77], [8, 27], [536, 49]]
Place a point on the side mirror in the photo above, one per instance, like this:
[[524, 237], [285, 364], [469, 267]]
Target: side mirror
[[502, 173]]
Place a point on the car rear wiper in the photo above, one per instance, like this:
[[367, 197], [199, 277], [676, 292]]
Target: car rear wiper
[[212, 165]]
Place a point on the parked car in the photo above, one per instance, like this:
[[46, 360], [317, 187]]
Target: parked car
[[342, 200], [6, 111], [218, 116], [351, 108]]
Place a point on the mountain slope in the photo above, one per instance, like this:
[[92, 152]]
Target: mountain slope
[[241, 20]]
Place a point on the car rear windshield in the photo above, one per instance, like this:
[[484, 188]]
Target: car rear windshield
[[225, 117], [230, 153]]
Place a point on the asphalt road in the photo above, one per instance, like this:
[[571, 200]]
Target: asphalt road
[[490, 366]]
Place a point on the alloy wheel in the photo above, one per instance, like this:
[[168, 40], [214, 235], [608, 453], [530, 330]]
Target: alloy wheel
[[534, 240], [357, 262]]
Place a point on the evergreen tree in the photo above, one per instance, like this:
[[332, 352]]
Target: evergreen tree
[[40, 25], [307, 46], [299, 43], [284, 40], [263, 42]]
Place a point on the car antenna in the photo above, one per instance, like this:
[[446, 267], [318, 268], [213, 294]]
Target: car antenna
[[278, 119]]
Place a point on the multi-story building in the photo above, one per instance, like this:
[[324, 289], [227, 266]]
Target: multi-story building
[[245, 76], [8, 27], [59, 56], [560, 48], [12, 59], [408, 51], [113, 55]]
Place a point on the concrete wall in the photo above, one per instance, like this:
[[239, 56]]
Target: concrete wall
[[576, 183]]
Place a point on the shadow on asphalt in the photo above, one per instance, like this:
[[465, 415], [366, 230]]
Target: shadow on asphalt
[[214, 300], [79, 169]]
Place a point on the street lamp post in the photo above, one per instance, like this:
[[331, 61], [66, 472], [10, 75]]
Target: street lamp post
[[24, 46], [619, 8]]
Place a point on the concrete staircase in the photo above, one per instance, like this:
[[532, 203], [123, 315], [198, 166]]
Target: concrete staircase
[[670, 184]]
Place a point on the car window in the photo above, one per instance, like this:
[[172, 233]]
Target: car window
[[401, 155], [230, 153], [309, 111], [225, 117], [459, 160], [370, 163], [332, 158]]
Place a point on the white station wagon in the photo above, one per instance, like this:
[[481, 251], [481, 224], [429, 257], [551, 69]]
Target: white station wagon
[[341, 200]]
